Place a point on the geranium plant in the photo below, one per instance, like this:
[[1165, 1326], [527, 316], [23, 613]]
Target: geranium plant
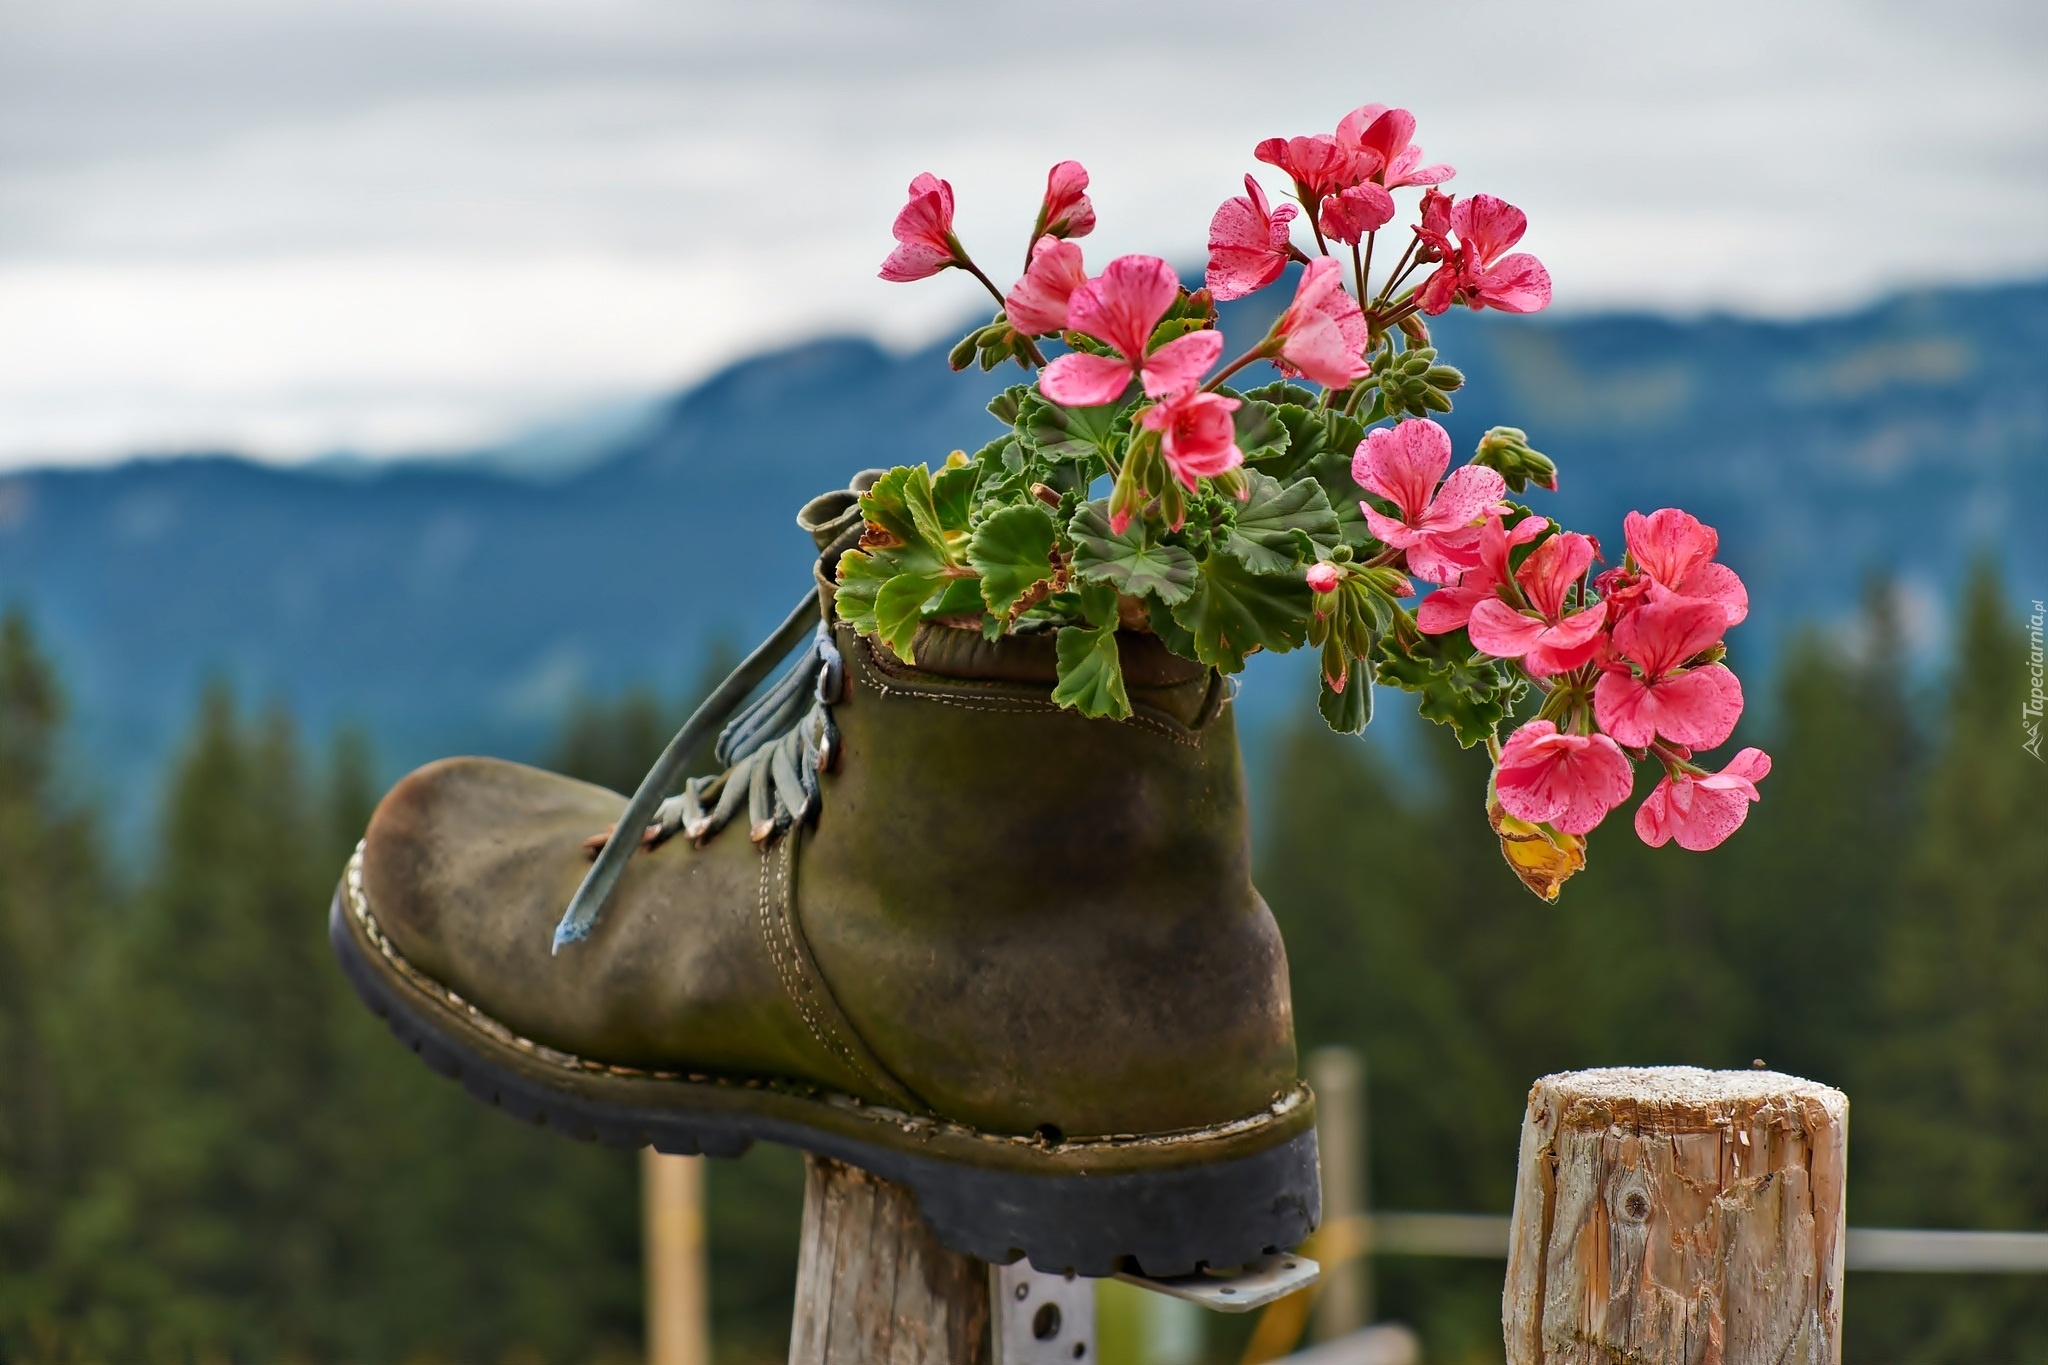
[[1136, 491]]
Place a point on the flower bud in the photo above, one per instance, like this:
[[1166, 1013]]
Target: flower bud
[[1323, 577], [1506, 449]]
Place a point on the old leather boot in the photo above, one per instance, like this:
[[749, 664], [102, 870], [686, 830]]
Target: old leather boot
[[999, 953]]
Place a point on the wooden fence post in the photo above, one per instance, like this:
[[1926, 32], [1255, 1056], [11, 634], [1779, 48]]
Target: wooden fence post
[[1673, 1216], [873, 1285], [1337, 1075], [672, 1232]]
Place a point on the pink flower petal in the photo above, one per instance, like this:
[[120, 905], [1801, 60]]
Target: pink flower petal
[[1037, 304], [1702, 812], [1568, 781], [1552, 568], [1717, 583], [1488, 225], [1402, 464], [1697, 708], [1318, 348], [1623, 706], [1181, 363], [1124, 303], [1392, 530], [1065, 210], [1498, 629], [1669, 543], [1198, 437], [1518, 284], [1466, 495], [1447, 609], [1667, 630], [1444, 556], [1567, 645], [1081, 380], [1349, 215], [1247, 243]]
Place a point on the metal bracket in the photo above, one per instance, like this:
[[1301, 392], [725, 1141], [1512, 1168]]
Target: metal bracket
[[1252, 1285], [1039, 1318]]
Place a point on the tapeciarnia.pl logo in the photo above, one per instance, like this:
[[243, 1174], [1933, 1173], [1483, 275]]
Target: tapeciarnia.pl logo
[[2030, 710]]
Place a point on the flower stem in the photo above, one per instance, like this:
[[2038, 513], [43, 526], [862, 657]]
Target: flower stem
[[1216, 382]]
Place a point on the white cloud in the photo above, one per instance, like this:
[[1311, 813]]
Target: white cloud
[[389, 224]]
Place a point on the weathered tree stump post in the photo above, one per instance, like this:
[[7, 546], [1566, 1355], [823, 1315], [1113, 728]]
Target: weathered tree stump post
[[1673, 1216], [873, 1285]]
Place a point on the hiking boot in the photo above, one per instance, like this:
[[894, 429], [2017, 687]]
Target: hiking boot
[[928, 923]]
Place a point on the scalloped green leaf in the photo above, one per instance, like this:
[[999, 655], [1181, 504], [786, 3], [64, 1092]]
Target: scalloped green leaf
[[1332, 470], [1012, 551], [1455, 687], [1279, 525], [861, 576], [899, 610], [1091, 676], [1072, 433], [1285, 391], [901, 504], [1171, 633], [1131, 563], [1234, 611]]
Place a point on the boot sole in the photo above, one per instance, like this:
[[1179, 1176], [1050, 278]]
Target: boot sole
[[1166, 1205]]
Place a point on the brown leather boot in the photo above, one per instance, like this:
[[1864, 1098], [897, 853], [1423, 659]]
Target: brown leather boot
[[999, 953]]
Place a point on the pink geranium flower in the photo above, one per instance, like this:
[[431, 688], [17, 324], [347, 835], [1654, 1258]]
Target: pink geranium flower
[[1317, 165], [1436, 526], [1544, 638], [1376, 133], [1248, 245], [1646, 690], [1676, 550], [1323, 333], [1477, 271], [1568, 782], [1120, 307], [925, 243], [1701, 812], [1349, 214], [1197, 436], [1065, 210], [1037, 303], [1450, 607]]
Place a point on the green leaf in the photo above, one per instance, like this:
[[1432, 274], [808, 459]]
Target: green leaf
[[1332, 470], [899, 610], [861, 576], [1171, 633], [1130, 562], [1072, 433], [1350, 711], [1098, 604], [1012, 551], [953, 497], [1005, 405], [1280, 525], [901, 504], [1234, 611], [1456, 688], [1261, 435], [1285, 391], [1091, 674], [959, 597], [1173, 329]]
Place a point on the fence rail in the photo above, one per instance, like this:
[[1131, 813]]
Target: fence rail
[[1914, 1250]]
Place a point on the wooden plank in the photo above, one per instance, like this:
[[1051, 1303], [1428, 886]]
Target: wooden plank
[[874, 1286]]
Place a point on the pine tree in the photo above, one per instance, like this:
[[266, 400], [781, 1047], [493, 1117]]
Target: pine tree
[[1952, 1112], [54, 900]]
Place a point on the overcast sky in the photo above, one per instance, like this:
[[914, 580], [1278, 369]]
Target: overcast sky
[[294, 226]]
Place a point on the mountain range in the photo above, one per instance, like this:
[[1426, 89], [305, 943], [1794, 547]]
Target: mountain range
[[461, 604]]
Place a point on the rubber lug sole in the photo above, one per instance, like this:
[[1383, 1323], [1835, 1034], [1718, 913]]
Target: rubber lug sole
[[1165, 1222]]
